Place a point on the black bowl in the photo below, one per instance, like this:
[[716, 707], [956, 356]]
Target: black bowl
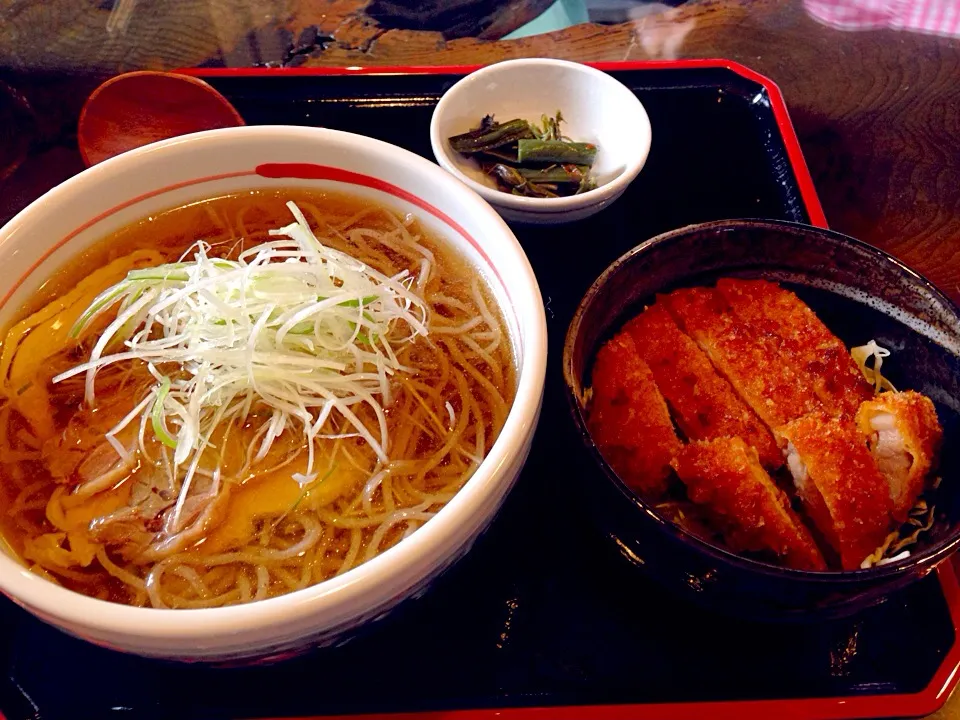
[[861, 294]]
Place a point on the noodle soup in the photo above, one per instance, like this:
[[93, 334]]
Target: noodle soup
[[245, 396]]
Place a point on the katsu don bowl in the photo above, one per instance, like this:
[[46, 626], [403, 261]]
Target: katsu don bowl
[[769, 417]]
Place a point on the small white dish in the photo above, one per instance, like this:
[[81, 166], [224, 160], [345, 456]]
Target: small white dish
[[596, 109]]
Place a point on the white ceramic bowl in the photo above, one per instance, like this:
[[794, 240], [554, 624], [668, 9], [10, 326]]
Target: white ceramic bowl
[[596, 108], [89, 206]]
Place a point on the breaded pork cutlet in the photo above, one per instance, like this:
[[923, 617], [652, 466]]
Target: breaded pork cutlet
[[629, 419], [753, 514], [752, 364], [704, 404], [839, 483], [806, 342], [904, 436]]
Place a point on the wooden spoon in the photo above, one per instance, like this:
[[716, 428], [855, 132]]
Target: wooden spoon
[[138, 108]]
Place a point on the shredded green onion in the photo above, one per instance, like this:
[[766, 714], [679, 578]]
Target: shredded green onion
[[290, 325], [156, 415]]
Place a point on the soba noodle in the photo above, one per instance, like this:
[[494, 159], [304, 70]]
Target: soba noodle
[[96, 498]]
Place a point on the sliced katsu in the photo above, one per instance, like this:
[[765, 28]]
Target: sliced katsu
[[750, 361], [807, 343], [629, 419], [842, 490], [750, 375], [904, 437], [725, 475], [704, 404]]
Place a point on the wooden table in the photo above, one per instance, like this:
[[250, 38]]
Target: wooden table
[[877, 111]]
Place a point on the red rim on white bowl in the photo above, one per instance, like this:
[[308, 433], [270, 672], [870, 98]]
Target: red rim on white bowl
[[166, 174]]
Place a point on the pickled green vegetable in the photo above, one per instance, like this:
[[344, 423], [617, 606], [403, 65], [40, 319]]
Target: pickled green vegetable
[[491, 137], [555, 151], [555, 173], [528, 159]]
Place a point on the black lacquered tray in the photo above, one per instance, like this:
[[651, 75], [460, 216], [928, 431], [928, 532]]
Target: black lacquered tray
[[543, 619]]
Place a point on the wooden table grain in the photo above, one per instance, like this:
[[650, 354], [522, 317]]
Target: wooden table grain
[[877, 111]]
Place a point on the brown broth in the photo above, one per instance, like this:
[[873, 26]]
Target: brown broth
[[223, 221]]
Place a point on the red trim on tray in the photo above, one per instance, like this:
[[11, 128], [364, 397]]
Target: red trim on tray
[[804, 181], [925, 702]]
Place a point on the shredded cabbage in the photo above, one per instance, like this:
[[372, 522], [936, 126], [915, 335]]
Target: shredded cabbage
[[862, 354]]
